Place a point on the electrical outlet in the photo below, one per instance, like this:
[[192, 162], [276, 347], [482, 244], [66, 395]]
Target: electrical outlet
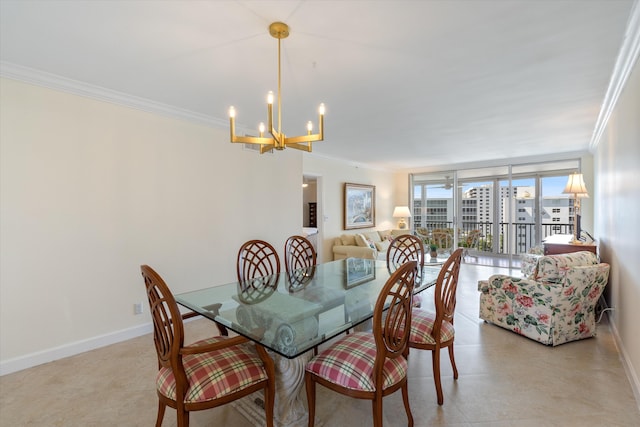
[[137, 308]]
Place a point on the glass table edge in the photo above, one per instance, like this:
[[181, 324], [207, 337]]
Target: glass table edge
[[308, 345]]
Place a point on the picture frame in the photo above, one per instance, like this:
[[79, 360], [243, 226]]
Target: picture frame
[[359, 206], [359, 271]]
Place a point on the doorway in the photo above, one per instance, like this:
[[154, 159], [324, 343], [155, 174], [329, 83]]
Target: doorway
[[312, 211]]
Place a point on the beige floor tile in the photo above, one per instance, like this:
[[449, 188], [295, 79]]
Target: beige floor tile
[[505, 381]]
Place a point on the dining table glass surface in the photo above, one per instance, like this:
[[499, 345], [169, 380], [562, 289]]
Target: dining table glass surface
[[302, 308]]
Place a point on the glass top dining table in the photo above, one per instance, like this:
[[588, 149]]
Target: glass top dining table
[[294, 312]]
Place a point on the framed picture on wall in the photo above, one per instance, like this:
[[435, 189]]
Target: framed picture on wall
[[359, 206]]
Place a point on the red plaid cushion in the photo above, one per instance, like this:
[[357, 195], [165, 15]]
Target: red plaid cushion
[[349, 363], [214, 374], [422, 325]]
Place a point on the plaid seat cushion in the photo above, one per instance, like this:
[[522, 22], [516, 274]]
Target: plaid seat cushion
[[214, 374], [422, 326], [349, 363]]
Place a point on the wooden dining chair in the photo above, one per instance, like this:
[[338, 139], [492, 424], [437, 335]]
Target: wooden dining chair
[[405, 248], [299, 261], [259, 260], [434, 331], [207, 373], [370, 366]]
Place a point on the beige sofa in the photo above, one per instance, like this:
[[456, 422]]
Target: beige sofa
[[365, 244]]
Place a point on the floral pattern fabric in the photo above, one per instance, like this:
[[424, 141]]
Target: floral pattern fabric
[[529, 265], [552, 311]]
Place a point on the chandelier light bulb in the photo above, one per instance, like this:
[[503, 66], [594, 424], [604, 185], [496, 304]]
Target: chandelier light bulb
[[261, 128], [321, 109], [232, 112], [270, 98], [309, 126]]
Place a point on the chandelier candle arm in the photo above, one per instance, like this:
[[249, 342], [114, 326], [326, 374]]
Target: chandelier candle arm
[[278, 140]]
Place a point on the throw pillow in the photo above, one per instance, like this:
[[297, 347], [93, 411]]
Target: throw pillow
[[361, 241], [371, 244]]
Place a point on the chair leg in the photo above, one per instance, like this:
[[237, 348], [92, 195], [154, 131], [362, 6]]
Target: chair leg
[[436, 374], [453, 362], [405, 400], [377, 410], [223, 329], [161, 408], [183, 417], [270, 387], [269, 400], [311, 397]]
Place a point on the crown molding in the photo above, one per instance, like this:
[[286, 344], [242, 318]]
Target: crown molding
[[56, 82], [626, 60]]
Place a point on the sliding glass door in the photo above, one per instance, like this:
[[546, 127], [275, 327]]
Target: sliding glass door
[[496, 212]]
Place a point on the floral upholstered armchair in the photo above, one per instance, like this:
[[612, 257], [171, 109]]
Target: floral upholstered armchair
[[553, 304]]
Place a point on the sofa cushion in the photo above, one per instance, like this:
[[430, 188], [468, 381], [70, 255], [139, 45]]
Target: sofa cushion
[[553, 268], [399, 232], [383, 245], [385, 235], [348, 239], [373, 236], [363, 241]]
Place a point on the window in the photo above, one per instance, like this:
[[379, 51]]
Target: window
[[501, 198]]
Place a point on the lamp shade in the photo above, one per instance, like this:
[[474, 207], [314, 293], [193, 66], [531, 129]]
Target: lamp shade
[[401, 212], [575, 185]]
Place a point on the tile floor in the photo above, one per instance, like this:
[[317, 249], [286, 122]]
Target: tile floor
[[505, 380]]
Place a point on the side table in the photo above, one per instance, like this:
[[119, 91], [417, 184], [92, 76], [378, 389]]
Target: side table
[[565, 248]]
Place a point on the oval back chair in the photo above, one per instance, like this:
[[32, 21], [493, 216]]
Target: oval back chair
[[299, 261], [207, 373], [370, 366], [403, 248], [434, 331], [258, 265]]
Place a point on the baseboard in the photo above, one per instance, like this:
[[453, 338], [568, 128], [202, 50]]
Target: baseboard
[[71, 349], [632, 375]]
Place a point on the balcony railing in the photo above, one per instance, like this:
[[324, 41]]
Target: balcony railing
[[511, 238]]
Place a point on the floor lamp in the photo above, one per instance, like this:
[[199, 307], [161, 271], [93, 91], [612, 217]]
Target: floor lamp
[[575, 186]]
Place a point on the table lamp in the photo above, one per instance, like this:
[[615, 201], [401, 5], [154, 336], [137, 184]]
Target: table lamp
[[575, 186], [402, 212]]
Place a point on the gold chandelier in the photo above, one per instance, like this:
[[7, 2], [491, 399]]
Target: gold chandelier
[[278, 140]]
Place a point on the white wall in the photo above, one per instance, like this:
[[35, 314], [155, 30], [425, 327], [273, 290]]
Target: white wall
[[90, 190], [332, 175], [617, 219]]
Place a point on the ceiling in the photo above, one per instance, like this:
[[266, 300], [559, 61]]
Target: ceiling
[[407, 84]]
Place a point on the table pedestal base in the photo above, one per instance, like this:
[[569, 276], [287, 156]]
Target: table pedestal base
[[290, 409]]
